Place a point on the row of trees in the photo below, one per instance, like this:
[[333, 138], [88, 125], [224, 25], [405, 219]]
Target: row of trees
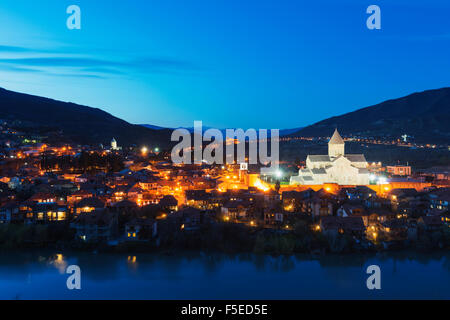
[[84, 162]]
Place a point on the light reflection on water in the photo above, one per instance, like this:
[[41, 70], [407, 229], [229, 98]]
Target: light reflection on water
[[221, 276]]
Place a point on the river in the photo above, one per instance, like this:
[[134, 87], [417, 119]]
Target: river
[[404, 275]]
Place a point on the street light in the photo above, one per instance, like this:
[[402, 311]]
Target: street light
[[279, 173]]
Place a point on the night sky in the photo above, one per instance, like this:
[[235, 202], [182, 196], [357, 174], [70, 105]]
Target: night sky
[[230, 63]]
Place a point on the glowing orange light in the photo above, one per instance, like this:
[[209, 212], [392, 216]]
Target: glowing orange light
[[261, 186]]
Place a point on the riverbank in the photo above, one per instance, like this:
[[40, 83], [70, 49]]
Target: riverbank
[[226, 238]]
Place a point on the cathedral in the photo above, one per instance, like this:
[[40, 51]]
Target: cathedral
[[336, 167]]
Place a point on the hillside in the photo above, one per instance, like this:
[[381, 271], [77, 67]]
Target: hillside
[[80, 124], [423, 115]]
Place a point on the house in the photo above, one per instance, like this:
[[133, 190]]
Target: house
[[63, 185], [192, 219], [320, 207], [430, 223], [331, 225], [44, 213], [98, 226], [402, 195], [9, 213], [235, 209], [347, 210], [6, 196], [79, 195], [360, 193], [148, 199], [439, 199], [89, 205], [445, 217], [169, 203], [354, 210], [377, 216], [273, 218], [124, 206], [315, 204], [271, 197], [396, 229], [135, 193], [148, 182], [42, 197], [377, 202], [197, 199], [189, 219], [140, 229], [119, 193], [291, 200]]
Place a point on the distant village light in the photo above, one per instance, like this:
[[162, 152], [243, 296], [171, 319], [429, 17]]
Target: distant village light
[[144, 151]]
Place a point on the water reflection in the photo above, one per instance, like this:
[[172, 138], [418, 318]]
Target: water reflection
[[200, 275], [58, 262]]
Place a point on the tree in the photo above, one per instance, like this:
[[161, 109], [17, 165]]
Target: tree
[[277, 186]]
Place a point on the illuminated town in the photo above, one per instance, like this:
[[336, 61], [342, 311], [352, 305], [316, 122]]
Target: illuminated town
[[114, 198]]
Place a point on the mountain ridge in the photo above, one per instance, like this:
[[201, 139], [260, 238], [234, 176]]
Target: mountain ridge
[[424, 115], [82, 124]]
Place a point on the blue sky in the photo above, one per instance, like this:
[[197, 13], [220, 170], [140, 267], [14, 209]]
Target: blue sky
[[229, 63]]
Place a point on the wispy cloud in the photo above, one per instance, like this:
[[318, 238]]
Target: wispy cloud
[[13, 49], [60, 62], [88, 65], [15, 69], [102, 70], [18, 69]]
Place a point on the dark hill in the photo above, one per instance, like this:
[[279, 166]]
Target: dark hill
[[423, 115], [81, 124]]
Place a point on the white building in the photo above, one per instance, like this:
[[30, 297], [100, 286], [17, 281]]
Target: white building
[[336, 167], [114, 145]]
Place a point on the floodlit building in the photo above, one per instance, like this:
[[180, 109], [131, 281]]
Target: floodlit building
[[336, 167], [114, 145], [399, 170]]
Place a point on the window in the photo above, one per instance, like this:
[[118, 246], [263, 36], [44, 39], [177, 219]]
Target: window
[[61, 216]]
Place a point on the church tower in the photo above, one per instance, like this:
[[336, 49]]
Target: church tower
[[114, 144], [336, 145]]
